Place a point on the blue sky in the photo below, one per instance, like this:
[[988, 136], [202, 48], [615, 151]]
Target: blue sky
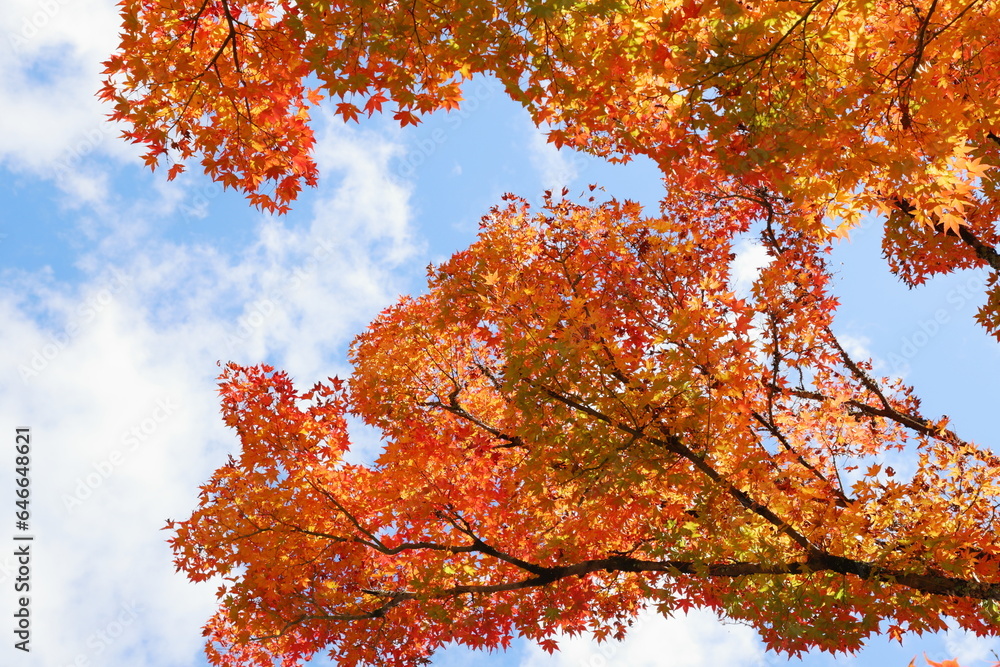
[[119, 292]]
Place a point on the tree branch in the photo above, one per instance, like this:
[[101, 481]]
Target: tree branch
[[673, 444], [932, 583], [987, 253]]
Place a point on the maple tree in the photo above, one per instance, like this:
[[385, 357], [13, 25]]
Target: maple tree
[[843, 107], [582, 417]]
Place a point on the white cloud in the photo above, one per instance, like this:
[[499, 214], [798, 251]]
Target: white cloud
[[115, 376], [695, 639], [97, 500], [557, 168], [751, 257], [970, 650], [857, 347], [50, 65], [315, 288]]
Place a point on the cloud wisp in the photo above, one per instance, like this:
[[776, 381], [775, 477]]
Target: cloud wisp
[[115, 375]]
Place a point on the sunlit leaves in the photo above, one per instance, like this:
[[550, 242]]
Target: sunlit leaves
[[845, 109], [581, 416], [580, 419]]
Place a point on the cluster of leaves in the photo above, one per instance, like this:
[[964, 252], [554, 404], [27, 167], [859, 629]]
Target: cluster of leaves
[[582, 418], [843, 107]]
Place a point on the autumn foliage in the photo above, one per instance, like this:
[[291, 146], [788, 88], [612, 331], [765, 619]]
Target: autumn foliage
[[586, 414], [581, 417], [842, 108]]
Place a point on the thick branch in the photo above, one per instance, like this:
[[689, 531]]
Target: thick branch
[[983, 251], [931, 583], [935, 584]]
